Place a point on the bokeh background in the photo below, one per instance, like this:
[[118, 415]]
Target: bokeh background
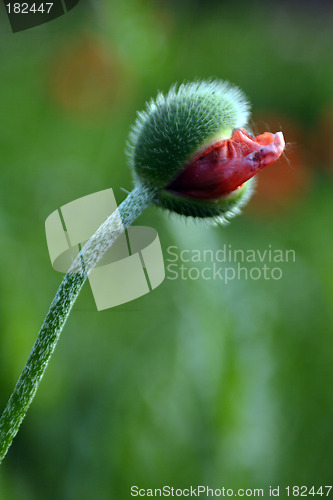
[[197, 382]]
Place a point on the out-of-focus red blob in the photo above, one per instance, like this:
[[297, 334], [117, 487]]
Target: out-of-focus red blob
[[85, 78], [281, 185], [226, 165], [321, 144]]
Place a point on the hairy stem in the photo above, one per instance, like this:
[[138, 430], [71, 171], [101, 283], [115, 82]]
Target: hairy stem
[[60, 309]]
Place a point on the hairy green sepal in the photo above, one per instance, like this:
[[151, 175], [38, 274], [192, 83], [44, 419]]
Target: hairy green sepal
[[219, 211], [177, 125]]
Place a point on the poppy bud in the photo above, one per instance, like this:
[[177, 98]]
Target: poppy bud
[[190, 146]]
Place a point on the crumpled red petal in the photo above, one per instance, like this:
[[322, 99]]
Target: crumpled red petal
[[226, 165]]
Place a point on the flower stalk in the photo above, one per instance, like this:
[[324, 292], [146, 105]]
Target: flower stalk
[[135, 203]]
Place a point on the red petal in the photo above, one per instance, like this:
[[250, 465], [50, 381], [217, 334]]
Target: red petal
[[226, 165]]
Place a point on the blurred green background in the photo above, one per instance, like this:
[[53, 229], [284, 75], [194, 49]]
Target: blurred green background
[[198, 382]]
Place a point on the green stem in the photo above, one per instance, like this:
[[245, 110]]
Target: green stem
[[60, 309]]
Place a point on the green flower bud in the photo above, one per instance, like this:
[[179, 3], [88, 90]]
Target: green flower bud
[[187, 146]]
